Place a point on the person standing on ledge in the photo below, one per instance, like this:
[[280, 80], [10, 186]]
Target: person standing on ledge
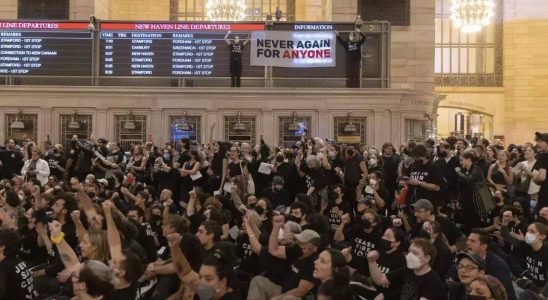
[[236, 49], [353, 48]]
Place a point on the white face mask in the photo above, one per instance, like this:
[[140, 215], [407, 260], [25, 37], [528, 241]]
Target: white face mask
[[372, 162], [413, 262], [280, 235], [530, 238]]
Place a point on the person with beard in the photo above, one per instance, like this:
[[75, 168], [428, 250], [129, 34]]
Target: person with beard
[[425, 180], [362, 236], [482, 161], [417, 280], [276, 193], [447, 163], [11, 160], [355, 169], [468, 177], [353, 47]]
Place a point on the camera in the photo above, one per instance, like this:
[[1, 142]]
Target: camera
[[43, 216]]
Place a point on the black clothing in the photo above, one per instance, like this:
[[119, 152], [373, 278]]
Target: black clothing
[[126, 293], [301, 269], [60, 160], [447, 170], [30, 251], [428, 173], [542, 163], [12, 162], [16, 281], [467, 188], [334, 213], [278, 197], [414, 287], [236, 50], [353, 60], [362, 243]]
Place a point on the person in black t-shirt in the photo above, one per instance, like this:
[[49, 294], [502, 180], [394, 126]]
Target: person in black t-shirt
[[417, 280], [540, 169], [353, 48], [336, 207], [16, 281], [425, 180], [236, 49], [57, 162]]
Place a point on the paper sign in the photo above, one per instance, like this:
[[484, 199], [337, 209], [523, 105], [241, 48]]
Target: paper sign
[[196, 176], [265, 168]]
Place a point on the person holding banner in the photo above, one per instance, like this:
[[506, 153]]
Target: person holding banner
[[353, 48], [236, 49]]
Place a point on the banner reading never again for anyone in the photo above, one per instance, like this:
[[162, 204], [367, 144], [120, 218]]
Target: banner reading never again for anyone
[[293, 49]]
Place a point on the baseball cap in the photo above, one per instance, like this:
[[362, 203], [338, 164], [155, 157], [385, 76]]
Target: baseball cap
[[423, 204], [309, 236], [541, 136], [480, 262]]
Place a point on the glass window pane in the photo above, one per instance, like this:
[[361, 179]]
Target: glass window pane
[[446, 30], [454, 34], [438, 30], [463, 60], [489, 60], [446, 60], [472, 60], [437, 65], [455, 60]]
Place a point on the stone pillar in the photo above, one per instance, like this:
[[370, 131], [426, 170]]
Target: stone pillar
[[46, 125], [8, 10], [81, 9], [525, 69], [344, 10], [156, 126], [101, 123]]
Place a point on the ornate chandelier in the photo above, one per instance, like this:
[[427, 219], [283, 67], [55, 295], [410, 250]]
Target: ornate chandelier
[[225, 10], [472, 15]]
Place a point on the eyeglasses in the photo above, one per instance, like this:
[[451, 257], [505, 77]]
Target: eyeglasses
[[467, 268]]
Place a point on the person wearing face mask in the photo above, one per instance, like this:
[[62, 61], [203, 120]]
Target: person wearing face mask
[[276, 193], [431, 231], [334, 174], [425, 180], [447, 162], [534, 249], [163, 171], [353, 47], [486, 288], [391, 257], [415, 281], [363, 236], [355, 169], [374, 192], [336, 207], [491, 222]]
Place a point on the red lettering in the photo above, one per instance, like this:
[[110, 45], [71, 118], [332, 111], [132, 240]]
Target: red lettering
[[286, 54]]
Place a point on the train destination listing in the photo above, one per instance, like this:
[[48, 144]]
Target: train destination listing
[[45, 48], [167, 49]]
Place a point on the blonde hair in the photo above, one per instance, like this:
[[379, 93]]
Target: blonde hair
[[98, 238]]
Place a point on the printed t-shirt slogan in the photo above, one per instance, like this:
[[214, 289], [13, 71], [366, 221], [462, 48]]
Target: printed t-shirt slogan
[[293, 49]]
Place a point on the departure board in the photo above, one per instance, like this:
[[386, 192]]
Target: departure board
[[172, 49], [45, 48]]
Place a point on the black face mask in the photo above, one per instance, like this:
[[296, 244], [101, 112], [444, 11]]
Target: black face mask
[[424, 234], [279, 159], [442, 154], [350, 152], [55, 150], [473, 297], [384, 245], [294, 219], [511, 224], [365, 224], [258, 209], [155, 218]]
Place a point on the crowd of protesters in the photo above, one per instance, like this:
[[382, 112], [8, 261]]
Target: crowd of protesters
[[318, 220]]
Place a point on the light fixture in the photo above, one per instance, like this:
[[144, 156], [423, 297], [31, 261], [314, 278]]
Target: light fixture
[[92, 21], [472, 15], [225, 10], [129, 124], [74, 123], [293, 126], [350, 127], [18, 124], [185, 126], [239, 126]]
